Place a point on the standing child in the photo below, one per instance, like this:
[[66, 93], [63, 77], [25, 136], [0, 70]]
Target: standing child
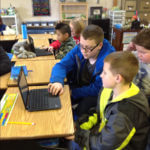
[[121, 119], [63, 32]]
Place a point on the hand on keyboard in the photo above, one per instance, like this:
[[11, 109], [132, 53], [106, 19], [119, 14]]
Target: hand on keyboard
[[51, 49], [55, 88]]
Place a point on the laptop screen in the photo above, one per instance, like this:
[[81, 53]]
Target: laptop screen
[[8, 44], [23, 87], [31, 42]]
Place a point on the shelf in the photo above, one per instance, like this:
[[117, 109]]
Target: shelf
[[39, 27], [74, 3], [71, 19], [7, 19], [9, 16], [73, 10]]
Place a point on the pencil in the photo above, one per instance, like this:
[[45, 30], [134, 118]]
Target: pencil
[[25, 123]]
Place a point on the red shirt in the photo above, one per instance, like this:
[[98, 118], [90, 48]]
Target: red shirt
[[56, 44]]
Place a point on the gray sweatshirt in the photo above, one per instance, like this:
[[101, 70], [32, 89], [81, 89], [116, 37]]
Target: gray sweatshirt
[[142, 79]]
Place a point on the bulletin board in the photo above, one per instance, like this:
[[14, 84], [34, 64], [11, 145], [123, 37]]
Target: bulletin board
[[41, 7]]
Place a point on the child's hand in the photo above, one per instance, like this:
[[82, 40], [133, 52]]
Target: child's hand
[[51, 49], [71, 137], [55, 88]]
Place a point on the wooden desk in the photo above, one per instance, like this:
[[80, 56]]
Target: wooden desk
[[43, 36], [50, 57], [50, 123], [10, 37], [34, 36], [41, 43], [41, 71], [4, 81], [38, 42]]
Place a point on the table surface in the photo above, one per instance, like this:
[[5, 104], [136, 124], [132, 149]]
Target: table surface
[[34, 36], [39, 72], [49, 123], [4, 81]]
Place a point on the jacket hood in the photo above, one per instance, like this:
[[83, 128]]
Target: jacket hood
[[136, 97], [141, 102]]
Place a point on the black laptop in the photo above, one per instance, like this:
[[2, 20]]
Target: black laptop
[[37, 51], [8, 44], [37, 99]]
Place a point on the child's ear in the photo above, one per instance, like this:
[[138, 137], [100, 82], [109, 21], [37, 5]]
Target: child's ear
[[66, 35], [119, 78], [100, 45]]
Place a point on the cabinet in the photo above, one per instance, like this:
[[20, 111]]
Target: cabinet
[[70, 10], [12, 21], [142, 7], [116, 17], [122, 37], [38, 27], [130, 6]]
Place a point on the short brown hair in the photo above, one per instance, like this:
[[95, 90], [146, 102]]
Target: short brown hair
[[123, 63], [78, 25], [93, 32], [143, 38]]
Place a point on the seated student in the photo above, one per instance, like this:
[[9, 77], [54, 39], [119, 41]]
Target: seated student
[[141, 43], [2, 26], [82, 66], [63, 32], [5, 63], [121, 118], [5, 30], [77, 25], [5, 66]]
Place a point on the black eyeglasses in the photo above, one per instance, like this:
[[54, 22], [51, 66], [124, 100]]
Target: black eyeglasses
[[88, 49]]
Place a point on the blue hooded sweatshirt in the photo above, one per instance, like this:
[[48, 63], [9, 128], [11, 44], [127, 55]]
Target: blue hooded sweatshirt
[[69, 63]]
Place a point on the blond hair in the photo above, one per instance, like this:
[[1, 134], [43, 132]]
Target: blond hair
[[78, 25]]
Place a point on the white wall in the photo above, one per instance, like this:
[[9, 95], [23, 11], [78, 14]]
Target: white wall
[[24, 8]]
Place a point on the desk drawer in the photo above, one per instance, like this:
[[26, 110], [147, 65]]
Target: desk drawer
[[144, 16], [145, 5], [130, 5], [129, 15]]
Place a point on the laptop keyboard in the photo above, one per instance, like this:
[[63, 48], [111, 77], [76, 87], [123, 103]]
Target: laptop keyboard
[[40, 98], [42, 52]]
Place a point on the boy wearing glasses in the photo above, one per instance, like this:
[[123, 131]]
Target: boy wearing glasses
[[82, 67]]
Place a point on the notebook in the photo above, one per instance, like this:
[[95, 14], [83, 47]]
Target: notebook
[[37, 99], [38, 52]]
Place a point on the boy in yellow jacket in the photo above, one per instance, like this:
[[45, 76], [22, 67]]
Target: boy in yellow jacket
[[121, 119]]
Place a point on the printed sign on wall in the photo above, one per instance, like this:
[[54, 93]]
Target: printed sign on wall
[[41, 7]]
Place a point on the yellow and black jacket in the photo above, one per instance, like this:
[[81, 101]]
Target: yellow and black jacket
[[122, 122]]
